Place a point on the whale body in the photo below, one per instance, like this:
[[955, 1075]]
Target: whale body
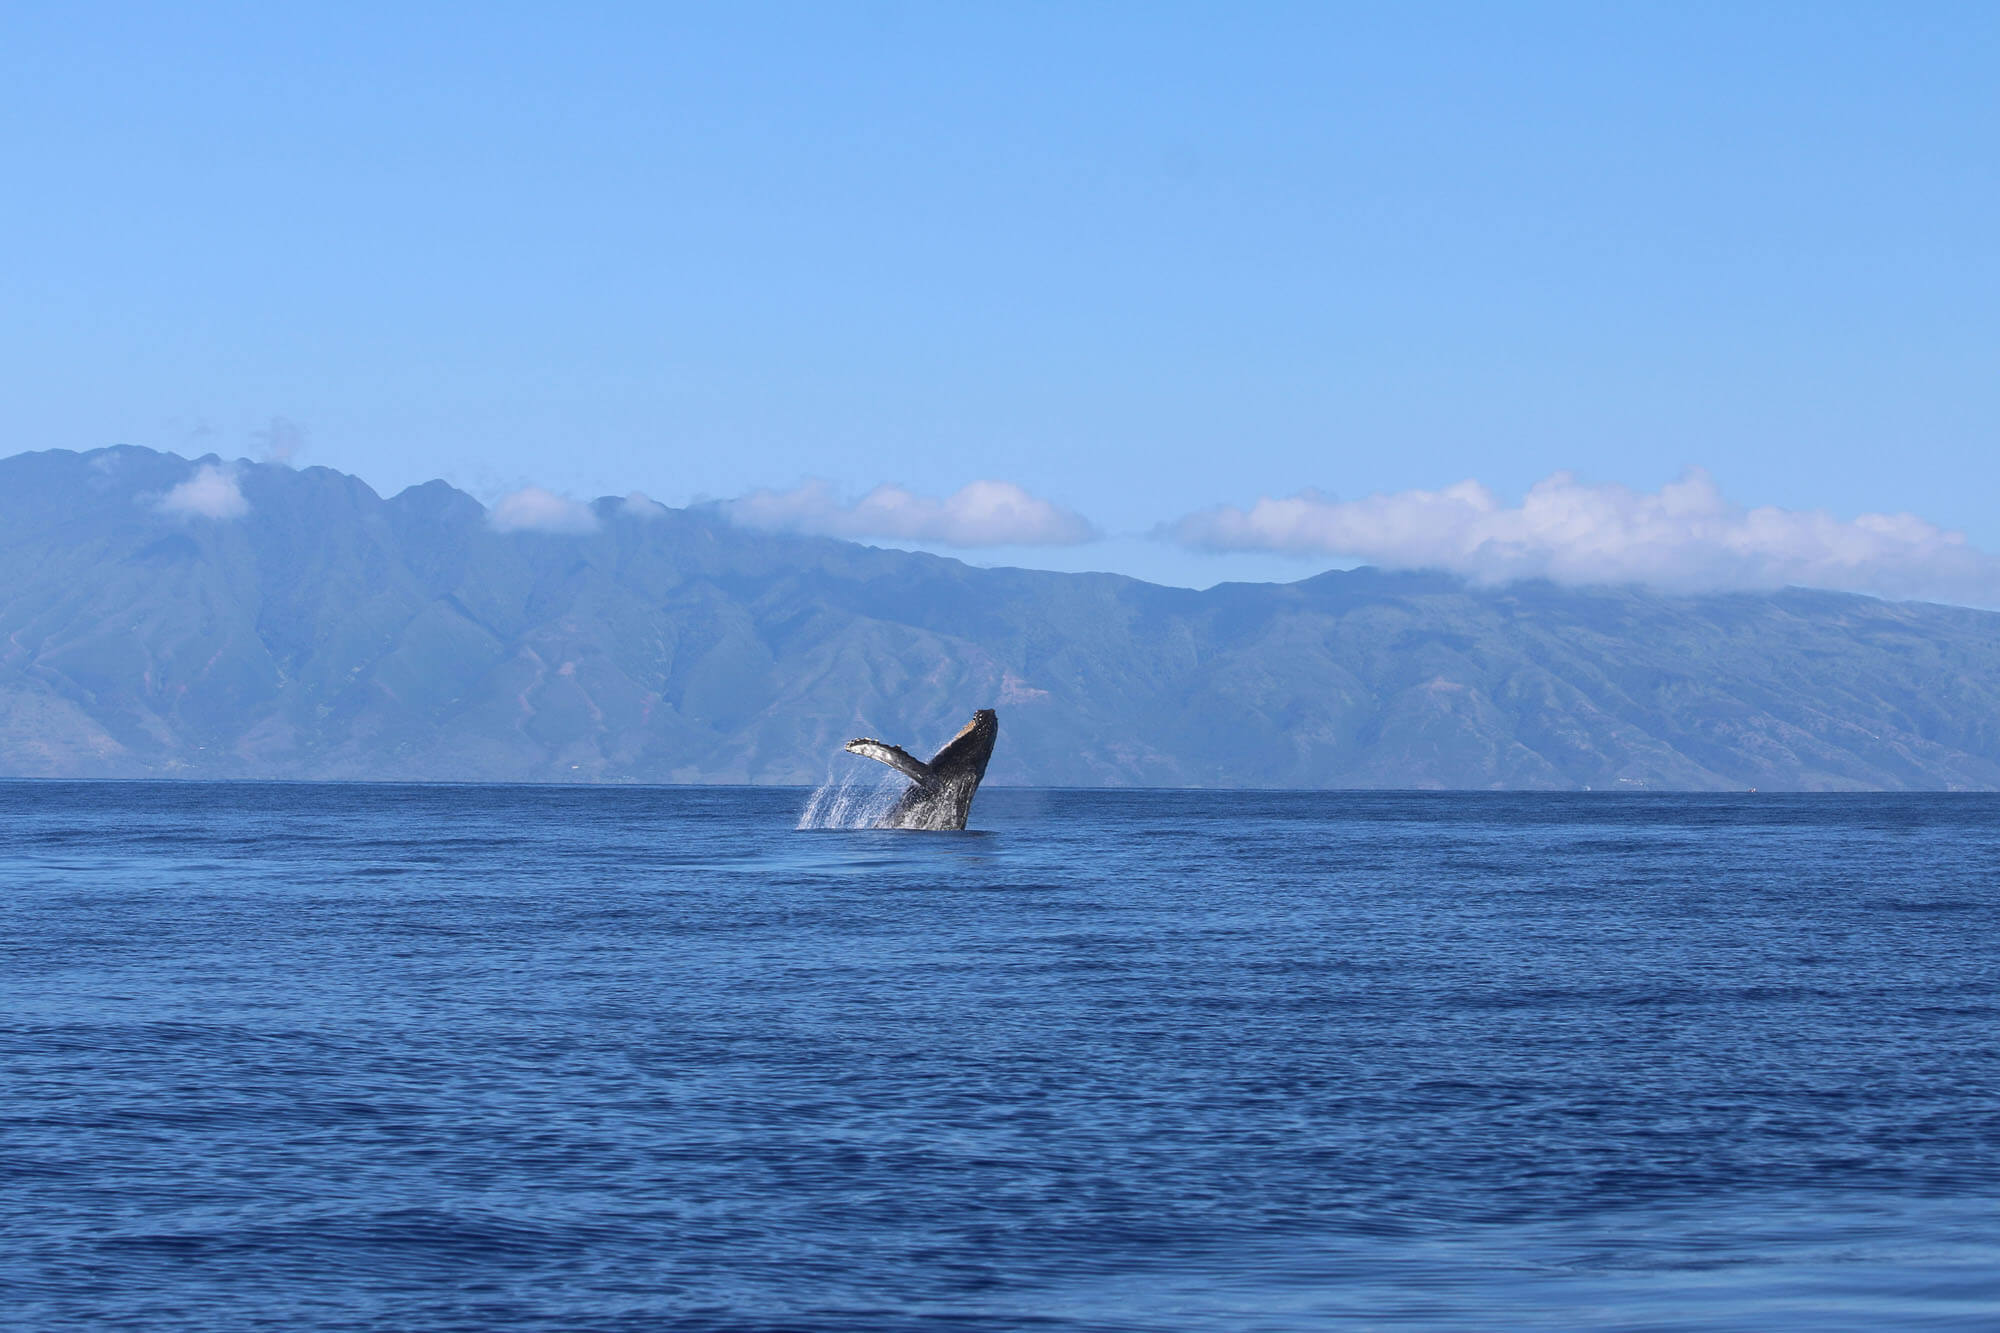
[[940, 793]]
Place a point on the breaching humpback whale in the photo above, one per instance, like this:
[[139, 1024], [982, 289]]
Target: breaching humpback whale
[[940, 794]]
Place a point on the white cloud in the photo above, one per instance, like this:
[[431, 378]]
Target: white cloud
[[532, 509], [212, 492], [981, 513], [1684, 537], [641, 505]]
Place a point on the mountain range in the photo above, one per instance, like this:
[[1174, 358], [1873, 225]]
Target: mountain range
[[309, 628]]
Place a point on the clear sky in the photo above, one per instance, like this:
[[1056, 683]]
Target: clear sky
[[1139, 261]]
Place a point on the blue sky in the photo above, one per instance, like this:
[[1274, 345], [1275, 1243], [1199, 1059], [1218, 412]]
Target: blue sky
[[1145, 263]]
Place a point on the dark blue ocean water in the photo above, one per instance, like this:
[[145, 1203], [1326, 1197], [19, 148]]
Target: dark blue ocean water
[[515, 1058]]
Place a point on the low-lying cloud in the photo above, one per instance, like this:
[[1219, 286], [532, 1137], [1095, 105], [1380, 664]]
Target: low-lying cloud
[[212, 492], [1684, 537], [532, 509], [981, 513]]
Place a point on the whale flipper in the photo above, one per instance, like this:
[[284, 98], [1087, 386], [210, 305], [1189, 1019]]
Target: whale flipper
[[940, 794], [895, 756]]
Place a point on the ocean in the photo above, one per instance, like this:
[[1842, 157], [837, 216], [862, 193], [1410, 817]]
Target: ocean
[[493, 1057]]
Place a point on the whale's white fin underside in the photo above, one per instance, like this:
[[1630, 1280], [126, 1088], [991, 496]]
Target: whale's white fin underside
[[895, 756]]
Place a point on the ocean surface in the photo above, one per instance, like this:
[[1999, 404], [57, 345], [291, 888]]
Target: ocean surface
[[310, 1056]]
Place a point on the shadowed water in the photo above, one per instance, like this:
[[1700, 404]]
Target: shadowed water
[[573, 1058]]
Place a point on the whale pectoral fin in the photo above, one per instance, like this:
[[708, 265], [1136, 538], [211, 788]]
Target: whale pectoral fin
[[895, 756]]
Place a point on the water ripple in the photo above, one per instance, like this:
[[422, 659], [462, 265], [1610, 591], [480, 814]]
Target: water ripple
[[480, 1058]]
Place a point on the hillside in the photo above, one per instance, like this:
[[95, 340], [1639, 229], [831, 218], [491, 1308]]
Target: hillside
[[328, 632]]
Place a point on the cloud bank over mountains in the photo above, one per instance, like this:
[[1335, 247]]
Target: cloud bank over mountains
[[1685, 537], [981, 513]]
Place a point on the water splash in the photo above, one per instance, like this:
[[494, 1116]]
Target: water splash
[[853, 799]]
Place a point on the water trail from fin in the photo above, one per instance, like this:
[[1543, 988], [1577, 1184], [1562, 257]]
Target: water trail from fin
[[854, 798]]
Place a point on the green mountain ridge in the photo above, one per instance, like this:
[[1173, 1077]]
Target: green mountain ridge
[[331, 633]]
